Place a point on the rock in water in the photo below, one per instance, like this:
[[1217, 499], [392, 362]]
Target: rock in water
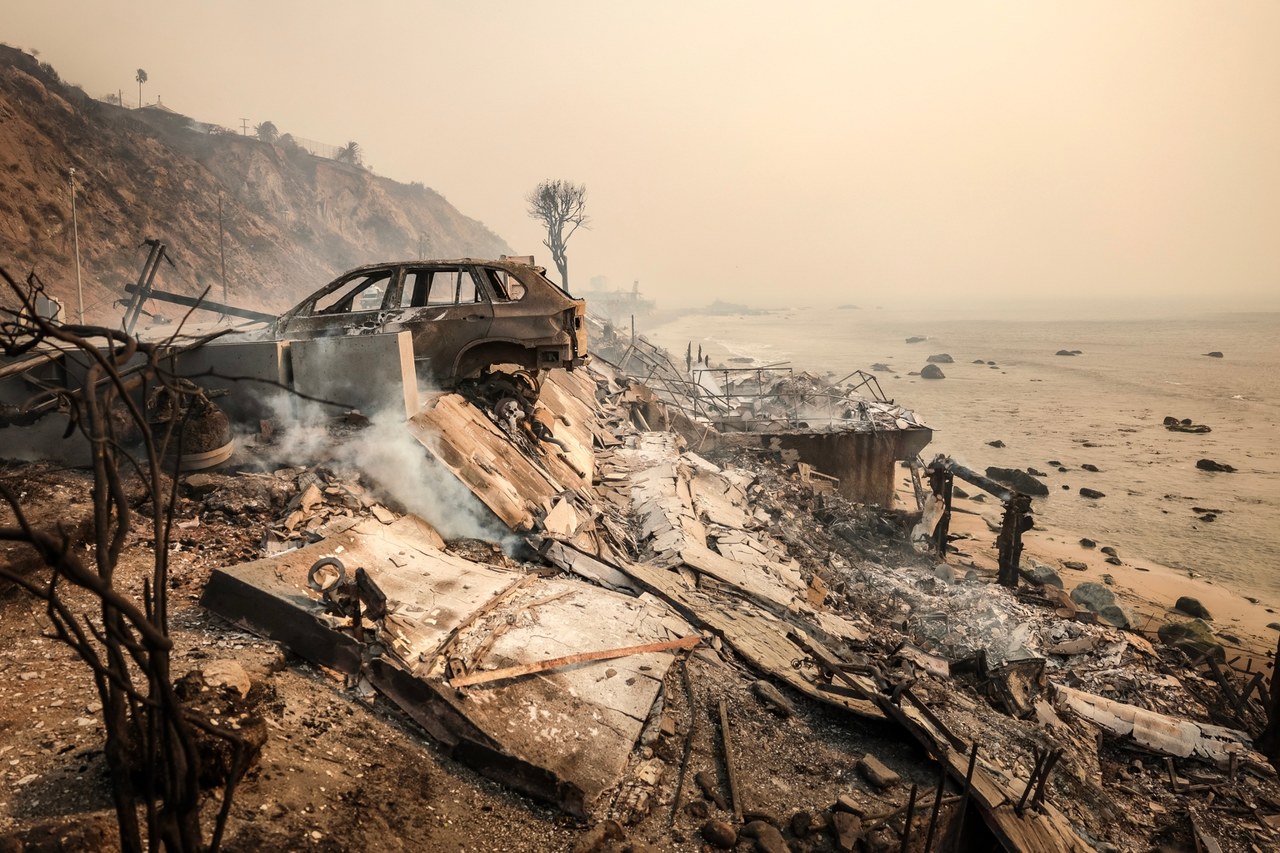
[[1192, 607], [1064, 352], [997, 444], [1020, 480], [1210, 465], [941, 358], [916, 339], [1088, 543], [1089, 466], [1091, 493], [1214, 354], [932, 371]]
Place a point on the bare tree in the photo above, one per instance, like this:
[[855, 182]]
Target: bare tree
[[141, 77], [561, 207], [151, 745], [349, 153], [267, 131]]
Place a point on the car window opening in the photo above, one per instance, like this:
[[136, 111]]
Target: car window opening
[[362, 293]]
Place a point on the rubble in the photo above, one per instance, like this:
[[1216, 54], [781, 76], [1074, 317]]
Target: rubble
[[683, 644]]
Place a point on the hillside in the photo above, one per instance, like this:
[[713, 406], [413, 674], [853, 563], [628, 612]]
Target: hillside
[[292, 221]]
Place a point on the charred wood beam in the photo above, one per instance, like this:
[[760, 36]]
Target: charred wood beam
[[941, 481], [1268, 742], [1017, 520], [141, 294]]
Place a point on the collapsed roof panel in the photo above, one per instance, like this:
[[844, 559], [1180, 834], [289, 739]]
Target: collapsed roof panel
[[563, 735]]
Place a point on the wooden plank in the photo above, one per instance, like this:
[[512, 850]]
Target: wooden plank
[[568, 660]]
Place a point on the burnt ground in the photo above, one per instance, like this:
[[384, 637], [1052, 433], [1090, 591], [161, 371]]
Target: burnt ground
[[344, 771]]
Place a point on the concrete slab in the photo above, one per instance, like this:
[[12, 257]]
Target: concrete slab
[[563, 735]]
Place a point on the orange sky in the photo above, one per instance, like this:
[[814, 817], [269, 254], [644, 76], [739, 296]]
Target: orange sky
[[888, 152]]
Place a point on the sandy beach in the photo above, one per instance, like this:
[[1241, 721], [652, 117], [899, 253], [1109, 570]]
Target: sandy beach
[[1104, 407], [1147, 589]]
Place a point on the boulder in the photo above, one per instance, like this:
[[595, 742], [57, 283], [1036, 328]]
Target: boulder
[[1075, 565], [1192, 607], [1192, 637], [1088, 543], [1115, 616], [996, 444], [941, 358], [1210, 465], [1214, 354], [1093, 596], [1091, 493], [1064, 352], [1020, 480], [978, 361], [932, 371], [1036, 472], [1045, 576], [1109, 550], [1089, 466]]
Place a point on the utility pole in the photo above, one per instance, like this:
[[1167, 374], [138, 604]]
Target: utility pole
[[244, 127], [75, 228], [222, 255]]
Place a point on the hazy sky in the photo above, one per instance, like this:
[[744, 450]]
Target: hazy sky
[[789, 153]]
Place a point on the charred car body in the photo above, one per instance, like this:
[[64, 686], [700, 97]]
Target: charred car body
[[465, 316]]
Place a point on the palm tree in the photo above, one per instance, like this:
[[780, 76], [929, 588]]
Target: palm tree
[[141, 77], [349, 153], [267, 131]]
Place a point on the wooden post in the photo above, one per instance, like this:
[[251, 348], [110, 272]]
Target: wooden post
[[1017, 519]]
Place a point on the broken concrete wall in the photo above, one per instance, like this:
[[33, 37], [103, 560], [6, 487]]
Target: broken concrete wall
[[864, 462], [366, 372], [251, 371]]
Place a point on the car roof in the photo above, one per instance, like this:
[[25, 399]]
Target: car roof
[[434, 262]]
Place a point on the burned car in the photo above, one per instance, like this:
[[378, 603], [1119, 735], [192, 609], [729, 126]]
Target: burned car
[[466, 316]]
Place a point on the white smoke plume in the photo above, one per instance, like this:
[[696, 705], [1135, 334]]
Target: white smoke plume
[[394, 466]]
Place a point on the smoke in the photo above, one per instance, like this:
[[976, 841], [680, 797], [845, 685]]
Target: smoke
[[394, 466]]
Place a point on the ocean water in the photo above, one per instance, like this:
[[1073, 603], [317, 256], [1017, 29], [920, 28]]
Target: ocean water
[[1104, 407]]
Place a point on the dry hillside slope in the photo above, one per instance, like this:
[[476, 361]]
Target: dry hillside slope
[[292, 221]]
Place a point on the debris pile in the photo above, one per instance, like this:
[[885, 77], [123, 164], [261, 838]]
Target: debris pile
[[690, 641]]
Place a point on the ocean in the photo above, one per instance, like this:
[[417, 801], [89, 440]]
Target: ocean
[[1104, 407]]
